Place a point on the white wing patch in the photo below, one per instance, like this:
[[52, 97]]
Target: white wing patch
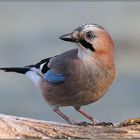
[[41, 66]]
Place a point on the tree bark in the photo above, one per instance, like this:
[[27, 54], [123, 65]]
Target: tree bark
[[18, 127]]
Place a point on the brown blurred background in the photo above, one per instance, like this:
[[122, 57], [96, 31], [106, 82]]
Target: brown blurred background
[[29, 32]]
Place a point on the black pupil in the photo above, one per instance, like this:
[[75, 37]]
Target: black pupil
[[89, 35]]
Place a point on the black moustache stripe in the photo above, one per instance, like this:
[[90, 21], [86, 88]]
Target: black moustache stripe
[[87, 45]]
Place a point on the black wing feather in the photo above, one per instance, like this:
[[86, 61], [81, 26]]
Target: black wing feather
[[37, 65], [45, 67]]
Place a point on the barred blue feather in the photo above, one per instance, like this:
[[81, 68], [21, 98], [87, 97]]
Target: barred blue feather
[[53, 77]]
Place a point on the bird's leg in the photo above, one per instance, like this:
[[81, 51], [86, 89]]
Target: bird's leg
[[60, 113], [94, 121], [67, 119], [86, 115]]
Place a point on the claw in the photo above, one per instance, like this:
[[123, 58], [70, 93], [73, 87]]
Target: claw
[[104, 124], [84, 124]]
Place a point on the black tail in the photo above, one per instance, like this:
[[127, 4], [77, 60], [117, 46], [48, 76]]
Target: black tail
[[16, 69]]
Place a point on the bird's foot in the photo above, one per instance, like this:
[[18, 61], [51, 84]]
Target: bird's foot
[[93, 124], [104, 124], [80, 123], [84, 124]]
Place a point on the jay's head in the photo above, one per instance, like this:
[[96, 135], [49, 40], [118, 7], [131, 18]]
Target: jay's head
[[93, 40], [91, 37]]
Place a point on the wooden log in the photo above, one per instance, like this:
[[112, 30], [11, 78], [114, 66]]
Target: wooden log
[[18, 127]]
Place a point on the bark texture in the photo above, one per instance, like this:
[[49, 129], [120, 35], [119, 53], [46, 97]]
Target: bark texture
[[18, 127]]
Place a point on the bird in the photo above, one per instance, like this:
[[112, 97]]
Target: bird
[[77, 77]]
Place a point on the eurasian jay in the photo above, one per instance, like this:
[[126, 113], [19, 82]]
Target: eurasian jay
[[77, 77]]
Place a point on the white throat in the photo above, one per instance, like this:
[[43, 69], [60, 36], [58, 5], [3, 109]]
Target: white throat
[[88, 59], [84, 54]]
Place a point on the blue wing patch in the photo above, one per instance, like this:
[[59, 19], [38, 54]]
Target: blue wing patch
[[53, 77]]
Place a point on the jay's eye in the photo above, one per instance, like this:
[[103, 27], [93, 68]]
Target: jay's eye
[[90, 35]]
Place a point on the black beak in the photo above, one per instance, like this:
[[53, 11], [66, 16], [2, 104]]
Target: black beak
[[69, 37]]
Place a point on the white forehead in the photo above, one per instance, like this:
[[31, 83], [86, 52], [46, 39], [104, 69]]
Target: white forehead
[[92, 27]]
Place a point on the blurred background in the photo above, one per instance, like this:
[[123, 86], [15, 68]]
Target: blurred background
[[29, 32]]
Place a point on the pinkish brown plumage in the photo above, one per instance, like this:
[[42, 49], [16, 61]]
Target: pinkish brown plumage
[[77, 77]]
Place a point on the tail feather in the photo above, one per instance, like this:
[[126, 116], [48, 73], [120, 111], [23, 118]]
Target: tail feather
[[16, 69]]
